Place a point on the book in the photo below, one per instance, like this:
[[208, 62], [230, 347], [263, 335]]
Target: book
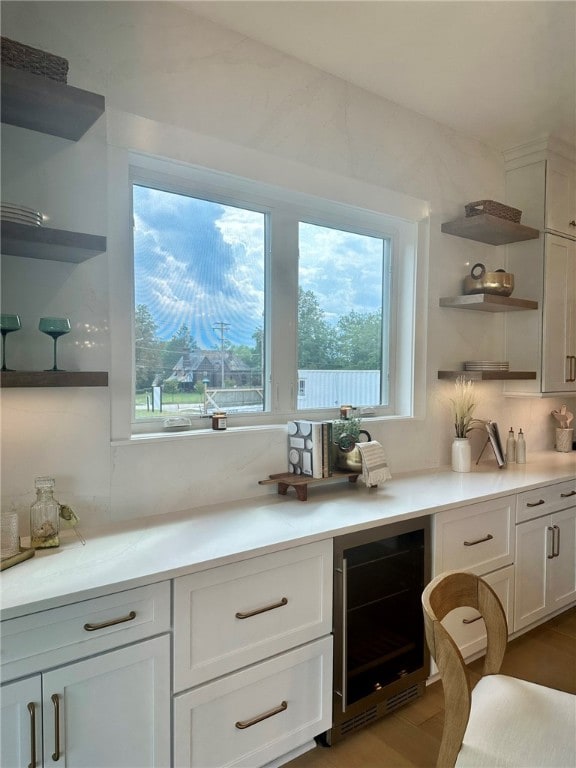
[[305, 452]]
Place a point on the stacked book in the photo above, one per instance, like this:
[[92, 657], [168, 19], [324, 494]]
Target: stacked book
[[310, 448]]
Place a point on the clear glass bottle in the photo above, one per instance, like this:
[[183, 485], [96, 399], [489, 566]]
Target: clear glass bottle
[[521, 448], [511, 447], [44, 516]]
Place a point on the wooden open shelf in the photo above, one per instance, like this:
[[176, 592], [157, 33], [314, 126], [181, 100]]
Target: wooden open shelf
[[488, 302], [300, 483], [49, 244], [44, 105], [492, 230], [53, 379], [488, 375]]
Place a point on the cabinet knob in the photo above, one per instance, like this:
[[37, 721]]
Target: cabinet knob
[[572, 223]]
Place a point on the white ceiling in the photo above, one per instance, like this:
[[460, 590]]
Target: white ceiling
[[501, 70]]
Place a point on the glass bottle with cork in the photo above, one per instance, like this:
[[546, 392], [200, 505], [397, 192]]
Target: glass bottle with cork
[[44, 516]]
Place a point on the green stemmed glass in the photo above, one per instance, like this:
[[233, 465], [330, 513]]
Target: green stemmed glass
[[54, 327], [8, 324]]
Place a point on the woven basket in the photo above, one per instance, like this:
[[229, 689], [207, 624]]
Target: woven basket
[[33, 60], [494, 209]]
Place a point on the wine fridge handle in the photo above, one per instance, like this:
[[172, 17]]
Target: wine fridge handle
[[344, 630]]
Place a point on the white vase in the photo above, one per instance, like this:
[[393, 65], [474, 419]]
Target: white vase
[[461, 455]]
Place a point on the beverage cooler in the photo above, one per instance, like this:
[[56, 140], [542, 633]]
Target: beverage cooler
[[381, 660]]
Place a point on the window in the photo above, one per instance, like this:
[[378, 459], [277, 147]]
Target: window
[[266, 303], [199, 304], [343, 314]]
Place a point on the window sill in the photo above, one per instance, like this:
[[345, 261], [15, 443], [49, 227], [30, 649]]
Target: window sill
[[148, 437]]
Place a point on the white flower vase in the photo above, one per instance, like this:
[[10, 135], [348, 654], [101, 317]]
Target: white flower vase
[[461, 455]]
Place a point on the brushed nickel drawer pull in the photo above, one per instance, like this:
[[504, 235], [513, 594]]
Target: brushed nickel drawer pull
[[471, 621], [241, 724], [535, 503], [32, 709], [56, 702], [256, 611], [478, 541], [550, 551], [567, 495], [110, 623]]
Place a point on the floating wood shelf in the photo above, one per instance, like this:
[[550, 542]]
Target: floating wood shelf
[[300, 483], [488, 375], [50, 244], [492, 230], [53, 379], [44, 105], [488, 302]]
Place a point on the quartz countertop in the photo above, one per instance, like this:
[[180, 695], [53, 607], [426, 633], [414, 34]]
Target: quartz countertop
[[151, 549]]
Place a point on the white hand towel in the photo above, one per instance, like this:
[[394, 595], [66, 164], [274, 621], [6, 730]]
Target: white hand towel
[[374, 465]]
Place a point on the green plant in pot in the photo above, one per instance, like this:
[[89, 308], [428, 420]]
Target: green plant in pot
[[345, 434]]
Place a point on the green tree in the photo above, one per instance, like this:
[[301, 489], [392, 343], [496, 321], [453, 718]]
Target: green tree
[[175, 347], [315, 337], [148, 350], [251, 356], [359, 341]]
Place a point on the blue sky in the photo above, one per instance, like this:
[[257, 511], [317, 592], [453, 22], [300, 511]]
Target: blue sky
[[201, 263]]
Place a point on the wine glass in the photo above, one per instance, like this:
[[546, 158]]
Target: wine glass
[[8, 323], [54, 327]]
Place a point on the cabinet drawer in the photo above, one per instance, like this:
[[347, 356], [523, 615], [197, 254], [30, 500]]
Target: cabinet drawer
[[251, 717], [477, 538], [49, 638], [228, 617], [541, 501], [465, 624]]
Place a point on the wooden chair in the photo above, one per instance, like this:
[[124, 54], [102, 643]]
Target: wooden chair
[[504, 721]]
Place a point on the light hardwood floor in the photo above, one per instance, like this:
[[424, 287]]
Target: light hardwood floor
[[411, 736]]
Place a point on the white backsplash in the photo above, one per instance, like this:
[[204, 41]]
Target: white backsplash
[[201, 78]]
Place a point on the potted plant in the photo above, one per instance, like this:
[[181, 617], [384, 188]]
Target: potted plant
[[463, 406], [345, 434]]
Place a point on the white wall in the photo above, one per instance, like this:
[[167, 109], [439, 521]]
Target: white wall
[[165, 73]]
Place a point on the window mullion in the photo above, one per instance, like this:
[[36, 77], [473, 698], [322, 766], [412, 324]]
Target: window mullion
[[282, 310]]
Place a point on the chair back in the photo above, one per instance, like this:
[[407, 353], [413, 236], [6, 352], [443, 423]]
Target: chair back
[[457, 589]]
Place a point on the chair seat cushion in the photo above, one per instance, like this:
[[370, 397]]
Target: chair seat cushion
[[514, 723]]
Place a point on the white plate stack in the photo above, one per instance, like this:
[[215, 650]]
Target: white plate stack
[[20, 214], [485, 365]]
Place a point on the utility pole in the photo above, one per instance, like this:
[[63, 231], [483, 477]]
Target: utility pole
[[221, 328]]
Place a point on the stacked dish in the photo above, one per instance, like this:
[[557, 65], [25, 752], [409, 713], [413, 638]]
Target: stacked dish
[[485, 365], [20, 214]]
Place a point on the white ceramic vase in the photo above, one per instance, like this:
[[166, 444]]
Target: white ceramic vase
[[461, 455]]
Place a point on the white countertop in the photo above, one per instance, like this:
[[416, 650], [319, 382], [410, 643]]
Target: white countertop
[[156, 548]]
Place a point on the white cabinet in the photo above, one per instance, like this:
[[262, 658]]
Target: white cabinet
[[560, 209], [478, 538], [107, 710], [541, 181], [253, 658], [545, 554], [251, 717], [20, 725], [559, 322]]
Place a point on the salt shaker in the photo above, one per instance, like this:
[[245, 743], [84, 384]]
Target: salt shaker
[[510, 447], [44, 516]]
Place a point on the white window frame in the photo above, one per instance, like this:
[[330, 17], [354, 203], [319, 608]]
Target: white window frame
[[410, 235]]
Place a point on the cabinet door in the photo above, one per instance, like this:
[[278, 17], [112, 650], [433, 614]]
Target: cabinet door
[[533, 549], [560, 196], [559, 342], [112, 710], [20, 724], [562, 567]]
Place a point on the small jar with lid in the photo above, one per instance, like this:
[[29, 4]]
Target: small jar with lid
[[44, 516]]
